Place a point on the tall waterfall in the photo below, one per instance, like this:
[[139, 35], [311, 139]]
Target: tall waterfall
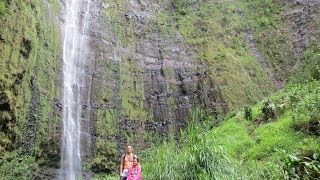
[[75, 51]]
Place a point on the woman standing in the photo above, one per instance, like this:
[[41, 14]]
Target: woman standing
[[135, 171]]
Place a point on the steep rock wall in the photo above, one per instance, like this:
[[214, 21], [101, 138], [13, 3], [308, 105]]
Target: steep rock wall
[[151, 65], [30, 83], [284, 31]]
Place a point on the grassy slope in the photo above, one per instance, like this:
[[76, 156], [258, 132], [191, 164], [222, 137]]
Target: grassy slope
[[253, 149], [283, 31]]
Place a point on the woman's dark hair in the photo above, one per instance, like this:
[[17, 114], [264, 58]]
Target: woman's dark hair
[[136, 158]]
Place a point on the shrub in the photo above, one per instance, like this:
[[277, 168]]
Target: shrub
[[301, 166], [312, 59], [16, 166], [248, 113], [182, 11], [268, 109], [305, 102]]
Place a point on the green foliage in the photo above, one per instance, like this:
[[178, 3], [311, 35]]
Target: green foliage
[[264, 14], [181, 6], [197, 156], [248, 113], [29, 53], [104, 159], [308, 68], [4, 6], [293, 111], [274, 28], [17, 166], [269, 25], [311, 65], [305, 101], [246, 149], [299, 166], [214, 32], [105, 177], [268, 109]]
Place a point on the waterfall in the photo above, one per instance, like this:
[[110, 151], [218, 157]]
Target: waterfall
[[75, 51]]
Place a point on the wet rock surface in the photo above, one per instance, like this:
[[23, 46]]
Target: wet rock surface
[[302, 17], [144, 81]]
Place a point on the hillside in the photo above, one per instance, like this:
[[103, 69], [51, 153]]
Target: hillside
[[278, 138]]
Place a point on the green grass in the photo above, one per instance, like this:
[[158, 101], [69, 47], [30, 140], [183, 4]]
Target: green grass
[[274, 25], [240, 148], [105, 177]]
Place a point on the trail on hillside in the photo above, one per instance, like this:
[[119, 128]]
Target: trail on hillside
[[261, 60]]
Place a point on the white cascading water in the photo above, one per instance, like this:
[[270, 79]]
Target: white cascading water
[[75, 48]]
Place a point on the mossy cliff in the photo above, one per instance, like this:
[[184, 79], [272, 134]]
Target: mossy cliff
[[155, 60], [150, 62], [29, 85], [284, 32]]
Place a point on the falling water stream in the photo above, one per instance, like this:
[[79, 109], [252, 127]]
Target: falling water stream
[[75, 48]]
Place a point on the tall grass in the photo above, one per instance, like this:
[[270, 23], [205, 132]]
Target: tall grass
[[198, 156], [246, 148], [105, 177]]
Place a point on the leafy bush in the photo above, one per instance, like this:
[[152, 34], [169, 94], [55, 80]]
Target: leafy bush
[[268, 109], [105, 159], [248, 113], [301, 166], [305, 102], [16, 166], [312, 61]]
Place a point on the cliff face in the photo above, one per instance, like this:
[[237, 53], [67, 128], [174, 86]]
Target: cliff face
[[150, 62], [285, 31], [29, 82]]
